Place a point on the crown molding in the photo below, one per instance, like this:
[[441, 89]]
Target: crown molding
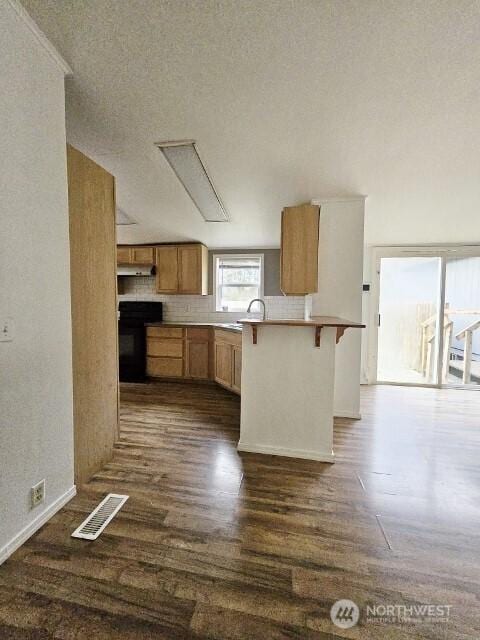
[[40, 37]]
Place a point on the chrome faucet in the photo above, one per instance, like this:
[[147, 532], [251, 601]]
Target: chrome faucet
[[257, 300]]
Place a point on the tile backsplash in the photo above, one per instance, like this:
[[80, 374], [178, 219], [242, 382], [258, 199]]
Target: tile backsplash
[[180, 308]]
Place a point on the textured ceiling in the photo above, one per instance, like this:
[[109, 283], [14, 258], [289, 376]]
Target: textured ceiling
[[288, 100]]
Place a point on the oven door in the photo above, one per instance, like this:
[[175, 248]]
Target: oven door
[[132, 351]]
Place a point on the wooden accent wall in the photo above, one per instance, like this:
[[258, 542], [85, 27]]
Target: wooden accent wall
[[93, 263]]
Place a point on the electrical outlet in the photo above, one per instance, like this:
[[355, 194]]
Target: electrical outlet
[[37, 493]]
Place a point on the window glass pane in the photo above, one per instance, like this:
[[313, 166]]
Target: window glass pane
[[239, 272], [237, 298], [407, 335], [461, 338], [238, 281]]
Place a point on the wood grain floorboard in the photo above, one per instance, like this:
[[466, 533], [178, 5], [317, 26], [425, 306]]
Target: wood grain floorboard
[[213, 544]]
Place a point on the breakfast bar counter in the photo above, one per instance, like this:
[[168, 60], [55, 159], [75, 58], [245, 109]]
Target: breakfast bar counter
[[288, 369]]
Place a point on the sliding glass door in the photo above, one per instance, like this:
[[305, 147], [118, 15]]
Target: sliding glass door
[[408, 309], [429, 317], [462, 314]]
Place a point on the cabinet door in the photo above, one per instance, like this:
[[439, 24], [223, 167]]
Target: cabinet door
[[124, 255], [143, 255], [299, 250], [189, 269], [196, 365], [223, 363], [236, 369], [167, 269]]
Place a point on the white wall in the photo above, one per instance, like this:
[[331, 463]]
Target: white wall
[[340, 278], [36, 423], [287, 392]]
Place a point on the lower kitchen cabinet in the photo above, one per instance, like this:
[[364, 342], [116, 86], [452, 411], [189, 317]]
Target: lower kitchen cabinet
[[195, 353], [197, 360], [223, 363], [228, 359], [164, 367], [237, 369], [179, 352]]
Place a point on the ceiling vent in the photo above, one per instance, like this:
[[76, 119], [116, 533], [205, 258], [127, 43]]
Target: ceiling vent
[[183, 157]]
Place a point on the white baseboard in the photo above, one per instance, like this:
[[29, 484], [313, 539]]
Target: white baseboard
[[30, 529], [353, 415], [320, 456]]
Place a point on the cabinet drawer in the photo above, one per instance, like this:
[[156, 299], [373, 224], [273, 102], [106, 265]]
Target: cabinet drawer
[[198, 333], [165, 332], [167, 347], [230, 337], [165, 367]]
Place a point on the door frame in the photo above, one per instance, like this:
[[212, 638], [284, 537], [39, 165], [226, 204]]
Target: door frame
[[442, 251]]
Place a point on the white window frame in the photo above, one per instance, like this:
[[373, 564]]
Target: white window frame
[[230, 256]]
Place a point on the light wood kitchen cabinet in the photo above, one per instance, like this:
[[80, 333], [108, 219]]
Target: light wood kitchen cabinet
[[223, 364], [165, 347], [182, 269], [237, 369], [165, 332], [143, 255], [228, 359], [299, 249], [124, 255], [135, 255], [198, 353], [165, 367], [179, 352], [167, 269], [195, 353], [197, 360], [165, 352]]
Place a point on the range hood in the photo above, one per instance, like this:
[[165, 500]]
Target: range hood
[[130, 270]]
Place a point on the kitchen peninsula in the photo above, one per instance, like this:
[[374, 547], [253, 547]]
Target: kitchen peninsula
[[288, 373]]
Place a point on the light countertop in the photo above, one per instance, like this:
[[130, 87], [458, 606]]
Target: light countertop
[[228, 326]]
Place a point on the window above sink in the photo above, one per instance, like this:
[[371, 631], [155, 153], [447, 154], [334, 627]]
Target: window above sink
[[238, 278]]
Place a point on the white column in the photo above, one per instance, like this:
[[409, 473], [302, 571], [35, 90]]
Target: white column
[[340, 279]]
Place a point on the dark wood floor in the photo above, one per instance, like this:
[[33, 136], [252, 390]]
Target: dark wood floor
[[216, 545]]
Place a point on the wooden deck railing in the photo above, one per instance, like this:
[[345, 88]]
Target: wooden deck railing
[[429, 337], [467, 335]]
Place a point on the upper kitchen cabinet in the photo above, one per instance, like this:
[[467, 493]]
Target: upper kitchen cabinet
[[135, 255], [182, 269], [124, 255], [167, 269], [299, 250]]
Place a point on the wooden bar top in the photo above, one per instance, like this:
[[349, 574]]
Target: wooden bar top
[[314, 321], [317, 322]]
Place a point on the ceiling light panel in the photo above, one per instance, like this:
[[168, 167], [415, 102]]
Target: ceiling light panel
[[185, 161]]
